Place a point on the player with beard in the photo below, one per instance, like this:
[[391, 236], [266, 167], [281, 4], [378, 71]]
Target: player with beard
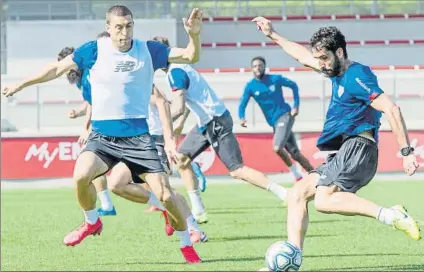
[[350, 135]]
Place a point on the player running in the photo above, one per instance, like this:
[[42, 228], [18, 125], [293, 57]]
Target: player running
[[122, 176], [156, 130], [350, 134], [121, 73], [267, 90], [214, 128], [75, 78]]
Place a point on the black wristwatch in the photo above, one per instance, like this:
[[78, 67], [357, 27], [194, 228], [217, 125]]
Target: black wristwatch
[[407, 151]]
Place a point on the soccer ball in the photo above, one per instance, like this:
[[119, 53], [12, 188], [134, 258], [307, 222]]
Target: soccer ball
[[283, 256]]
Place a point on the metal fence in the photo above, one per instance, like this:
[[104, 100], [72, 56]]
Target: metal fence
[[96, 9]]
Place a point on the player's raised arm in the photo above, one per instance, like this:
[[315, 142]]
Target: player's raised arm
[[52, 71], [190, 54], [83, 57], [297, 51]]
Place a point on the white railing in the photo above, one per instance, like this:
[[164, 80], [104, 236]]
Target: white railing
[[45, 107]]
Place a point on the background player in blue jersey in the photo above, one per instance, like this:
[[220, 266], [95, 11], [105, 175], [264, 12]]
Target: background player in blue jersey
[[267, 90], [350, 134], [75, 77], [121, 71], [214, 128]]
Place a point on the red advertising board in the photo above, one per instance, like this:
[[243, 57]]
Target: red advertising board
[[54, 157]]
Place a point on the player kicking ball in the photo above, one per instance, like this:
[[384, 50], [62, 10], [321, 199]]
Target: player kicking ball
[[121, 73], [350, 134], [214, 128], [267, 90]]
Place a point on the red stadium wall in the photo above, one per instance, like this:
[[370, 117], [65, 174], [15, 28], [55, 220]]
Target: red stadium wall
[[54, 157]]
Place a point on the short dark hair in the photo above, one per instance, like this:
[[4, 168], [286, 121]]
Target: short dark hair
[[258, 58], [161, 39], [65, 52], [330, 38], [102, 34], [118, 10]]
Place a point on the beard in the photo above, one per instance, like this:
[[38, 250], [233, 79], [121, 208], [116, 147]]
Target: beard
[[260, 75], [335, 69]]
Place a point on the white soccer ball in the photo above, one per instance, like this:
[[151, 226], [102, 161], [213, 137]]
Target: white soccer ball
[[283, 256]]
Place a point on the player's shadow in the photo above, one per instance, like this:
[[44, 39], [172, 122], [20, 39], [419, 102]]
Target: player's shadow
[[311, 222], [228, 212], [246, 259], [259, 237], [359, 255], [244, 209], [409, 267]]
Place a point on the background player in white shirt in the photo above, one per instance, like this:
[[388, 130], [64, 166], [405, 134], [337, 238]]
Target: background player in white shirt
[[121, 75], [214, 128]]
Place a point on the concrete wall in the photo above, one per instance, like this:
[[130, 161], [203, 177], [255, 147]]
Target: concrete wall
[[233, 57], [228, 86], [303, 30], [31, 43]]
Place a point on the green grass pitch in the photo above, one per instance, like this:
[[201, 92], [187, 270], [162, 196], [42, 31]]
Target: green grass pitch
[[244, 221]]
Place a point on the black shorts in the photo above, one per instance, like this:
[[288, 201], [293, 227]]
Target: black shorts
[[283, 134], [218, 134], [160, 147], [138, 153], [352, 167]]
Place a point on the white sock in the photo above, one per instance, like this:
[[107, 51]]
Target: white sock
[[154, 201], [184, 238], [105, 200], [192, 224], [91, 216], [294, 171], [386, 216], [197, 207], [278, 190]]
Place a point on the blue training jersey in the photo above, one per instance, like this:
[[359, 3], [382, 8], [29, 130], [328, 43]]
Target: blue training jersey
[[84, 86], [349, 112], [268, 93]]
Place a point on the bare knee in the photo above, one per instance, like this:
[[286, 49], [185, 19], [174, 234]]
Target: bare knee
[[116, 188], [159, 185], [277, 149], [120, 177], [87, 167], [304, 191], [238, 173], [183, 162]]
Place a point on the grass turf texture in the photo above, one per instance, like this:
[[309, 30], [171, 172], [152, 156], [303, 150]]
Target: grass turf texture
[[244, 221]]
